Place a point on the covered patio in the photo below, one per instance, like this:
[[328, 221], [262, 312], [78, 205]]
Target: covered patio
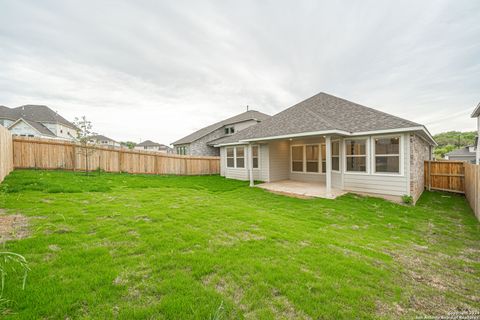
[[301, 189]]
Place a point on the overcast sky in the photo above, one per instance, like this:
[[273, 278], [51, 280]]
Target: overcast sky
[[161, 69]]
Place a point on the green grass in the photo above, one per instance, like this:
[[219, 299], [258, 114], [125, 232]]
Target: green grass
[[162, 247]]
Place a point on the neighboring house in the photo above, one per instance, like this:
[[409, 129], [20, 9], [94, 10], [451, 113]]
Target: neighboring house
[[467, 154], [334, 142], [202, 142], [476, 114], [37, 121], [102, 141], [149, 145]]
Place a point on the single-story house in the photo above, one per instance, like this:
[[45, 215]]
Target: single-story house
[[202, 142], [149, 145], [333, 142]]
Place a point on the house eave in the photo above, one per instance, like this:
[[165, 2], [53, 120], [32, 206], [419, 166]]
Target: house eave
[[337, 132], [476, 112]]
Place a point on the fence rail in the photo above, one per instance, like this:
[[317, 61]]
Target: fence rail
[[445, 176], [6, 153], [55, 154]]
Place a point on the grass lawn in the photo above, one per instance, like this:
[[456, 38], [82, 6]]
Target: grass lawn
[[135, 247]]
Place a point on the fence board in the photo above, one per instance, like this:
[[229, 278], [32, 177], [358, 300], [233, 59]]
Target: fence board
[[6, 153], [445, 176], [472, 187], [55, 154]]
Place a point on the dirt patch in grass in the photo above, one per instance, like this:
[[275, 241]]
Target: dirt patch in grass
[[283, 308], [232, 239], [226, 287], [433, 287], [13, 227]]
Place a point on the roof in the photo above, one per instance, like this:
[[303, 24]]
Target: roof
[[461, 152], [150, 143], [248, 115], [323, 113], [476, 112], [36, 125], [36, 113], [100, 137]]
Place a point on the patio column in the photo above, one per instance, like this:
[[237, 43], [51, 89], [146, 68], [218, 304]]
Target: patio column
[[250, 164], [328, 160]]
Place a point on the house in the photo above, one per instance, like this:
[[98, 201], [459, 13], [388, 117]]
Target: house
[[103, 141], [467, 154], [149, 145], [335, 144], [202, 142], [37, 121], [476, 114]]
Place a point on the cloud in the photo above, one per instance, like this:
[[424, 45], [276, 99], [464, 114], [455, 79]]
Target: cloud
[[159, 70]]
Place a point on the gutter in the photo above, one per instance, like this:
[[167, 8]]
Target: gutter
[[329, 132]]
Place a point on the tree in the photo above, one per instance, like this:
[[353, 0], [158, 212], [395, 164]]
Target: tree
[[451, 140], [84, 132], [128, 144]]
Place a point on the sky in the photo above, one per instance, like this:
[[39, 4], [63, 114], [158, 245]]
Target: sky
[[160, 70]]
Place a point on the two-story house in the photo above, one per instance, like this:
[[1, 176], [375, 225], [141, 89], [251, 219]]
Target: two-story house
[[37, 121], [202, 142], [103, 141]]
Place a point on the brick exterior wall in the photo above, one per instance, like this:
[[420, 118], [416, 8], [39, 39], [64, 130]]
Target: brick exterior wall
[[419, 152]]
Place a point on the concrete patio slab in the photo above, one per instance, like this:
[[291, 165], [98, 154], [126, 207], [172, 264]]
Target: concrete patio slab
[[301, 189]]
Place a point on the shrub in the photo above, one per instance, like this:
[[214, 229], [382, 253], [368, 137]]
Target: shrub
[[407, 199]]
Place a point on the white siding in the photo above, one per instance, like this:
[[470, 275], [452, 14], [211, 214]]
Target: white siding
[[21, 128], [223, 161], [279, 160], [264, 163]]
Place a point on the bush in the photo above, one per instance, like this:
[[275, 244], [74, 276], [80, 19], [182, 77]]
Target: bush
[[407, 199]]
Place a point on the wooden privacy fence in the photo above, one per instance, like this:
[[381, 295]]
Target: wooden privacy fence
[[55, 154], [6, 153], [472, 187], [445, 176]]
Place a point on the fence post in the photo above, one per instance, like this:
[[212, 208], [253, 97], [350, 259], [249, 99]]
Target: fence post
[[429, 175]]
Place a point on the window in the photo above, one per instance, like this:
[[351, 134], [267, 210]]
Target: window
[[356, 154], [229, 130], [230, 158], [324, 158], [312, 155], [255, 157], [180, 150], [336, 155], [240, 157], [297, 158], [387, 155]]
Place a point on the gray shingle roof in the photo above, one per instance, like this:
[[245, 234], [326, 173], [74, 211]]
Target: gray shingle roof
[[248, 115], [150, 143], [99, 137], [36, 113], [322, 112], [476, 112], [461, 152]]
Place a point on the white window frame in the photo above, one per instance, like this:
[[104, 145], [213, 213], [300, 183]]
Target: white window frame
[[304, 166], [258, 156], [339, 155], [226, 158], [367, 156], [244, 157], [401, 156]]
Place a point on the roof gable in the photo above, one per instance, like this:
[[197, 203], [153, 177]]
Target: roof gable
[[245, 116], [476, 112], [40, 128]]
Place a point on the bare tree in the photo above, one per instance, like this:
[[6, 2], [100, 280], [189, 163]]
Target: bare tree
[[84, 133]]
